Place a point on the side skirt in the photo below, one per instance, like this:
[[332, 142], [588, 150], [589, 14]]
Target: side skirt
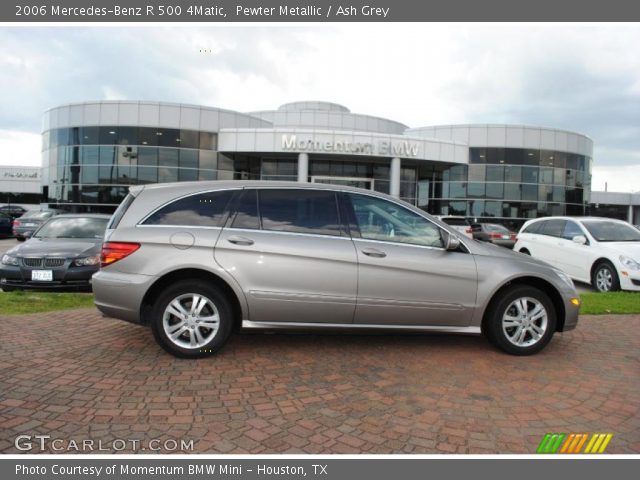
[[249, 325]]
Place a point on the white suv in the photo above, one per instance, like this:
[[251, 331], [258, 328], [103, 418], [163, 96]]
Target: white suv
[[600, 251]]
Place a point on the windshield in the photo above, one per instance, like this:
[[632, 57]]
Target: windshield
[[36, 214], [77, 227], [604, 231]]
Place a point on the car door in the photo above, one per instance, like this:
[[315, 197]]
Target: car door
[[405, 276], [289, 253], [545, 244], [573, 258]]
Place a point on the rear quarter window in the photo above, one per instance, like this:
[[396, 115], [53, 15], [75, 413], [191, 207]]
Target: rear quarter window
[[120, 211], [533, 228], [199, 210]]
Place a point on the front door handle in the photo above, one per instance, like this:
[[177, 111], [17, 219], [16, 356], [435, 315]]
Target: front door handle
[[237, 240], [374, 252]]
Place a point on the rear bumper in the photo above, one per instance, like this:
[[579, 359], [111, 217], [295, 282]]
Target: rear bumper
[[119, 295]]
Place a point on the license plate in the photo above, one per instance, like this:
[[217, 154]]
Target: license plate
[[28, 224], [505, 237], [42, 275]]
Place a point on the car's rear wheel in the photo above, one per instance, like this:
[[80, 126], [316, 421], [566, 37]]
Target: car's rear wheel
[[605, 278], [521, 321], [191, 320]]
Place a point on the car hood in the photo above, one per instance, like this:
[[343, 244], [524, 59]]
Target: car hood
[[628, 249], [58, 247]]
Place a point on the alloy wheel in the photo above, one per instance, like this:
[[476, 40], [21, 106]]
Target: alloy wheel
[[525, 321], [191, 321]]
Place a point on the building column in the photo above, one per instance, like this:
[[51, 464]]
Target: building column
[[630, 216], [303, 167], [394, 178]]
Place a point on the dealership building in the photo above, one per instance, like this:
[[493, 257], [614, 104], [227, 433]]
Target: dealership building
[[92, 152]]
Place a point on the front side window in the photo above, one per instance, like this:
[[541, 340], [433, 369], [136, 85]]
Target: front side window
[[379, 219], [200, 210], [299, 211], [571, 230]]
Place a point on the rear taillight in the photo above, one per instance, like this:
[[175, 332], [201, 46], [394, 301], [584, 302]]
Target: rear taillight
[[114, 251], [468, 230], [495, 235], [16, 223]]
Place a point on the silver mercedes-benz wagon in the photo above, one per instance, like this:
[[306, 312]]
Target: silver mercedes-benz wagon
[[196, 260]]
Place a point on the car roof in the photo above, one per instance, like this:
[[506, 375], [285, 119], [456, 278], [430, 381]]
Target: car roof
[[577, 218]]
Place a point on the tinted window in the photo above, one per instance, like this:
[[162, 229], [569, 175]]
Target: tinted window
[[554, 228], [247, 211], [120, 211], [379, 219], [300, 211], [201, 210], [493, 227], [534, 227], [571, 230]]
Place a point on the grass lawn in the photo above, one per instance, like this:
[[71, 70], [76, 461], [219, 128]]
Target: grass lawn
[[19, 302], [608, 303]]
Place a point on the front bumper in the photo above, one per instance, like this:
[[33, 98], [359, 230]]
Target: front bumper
[[66, 277], [571, 311]]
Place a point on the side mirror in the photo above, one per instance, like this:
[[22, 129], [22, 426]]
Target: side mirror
[[452, 243], [580, 239]]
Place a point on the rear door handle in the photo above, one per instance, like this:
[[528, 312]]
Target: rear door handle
[[374, 252], [237, 240]]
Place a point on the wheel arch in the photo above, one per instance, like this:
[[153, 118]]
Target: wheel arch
[[540, 284], [597, 262], [191, 274]]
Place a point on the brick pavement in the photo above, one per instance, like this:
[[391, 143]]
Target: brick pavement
[[75, 375]]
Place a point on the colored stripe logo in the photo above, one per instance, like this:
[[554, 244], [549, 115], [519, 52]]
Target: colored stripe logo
[[574, 443]]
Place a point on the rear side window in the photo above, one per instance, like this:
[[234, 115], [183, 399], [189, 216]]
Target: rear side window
[[247, 211], [120, 211], [200, 210], [299, 211], [553, 228]]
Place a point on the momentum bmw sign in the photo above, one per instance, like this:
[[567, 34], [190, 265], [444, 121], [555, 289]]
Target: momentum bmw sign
[[402, 148]]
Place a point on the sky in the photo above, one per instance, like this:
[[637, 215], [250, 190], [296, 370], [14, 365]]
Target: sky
[[584, 78]]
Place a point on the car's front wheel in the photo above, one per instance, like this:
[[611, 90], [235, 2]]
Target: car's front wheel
[[191, 320], [522, 321], [605, 278]]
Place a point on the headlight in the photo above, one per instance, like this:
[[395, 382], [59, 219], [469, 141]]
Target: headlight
[[83, 262], [9, 260], [629, 263], [565, 277]]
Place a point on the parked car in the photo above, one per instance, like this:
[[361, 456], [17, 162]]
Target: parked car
[[6, 223], [14, 211], [62, 254], [24, 226], [494, 233], [461, 224], [195, 260], [600, 251]]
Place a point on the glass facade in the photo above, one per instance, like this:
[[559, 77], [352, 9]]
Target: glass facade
[[91, 168], [512, 185]]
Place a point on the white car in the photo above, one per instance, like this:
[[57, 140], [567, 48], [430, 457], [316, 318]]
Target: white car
[[460, 223], [600, 251]]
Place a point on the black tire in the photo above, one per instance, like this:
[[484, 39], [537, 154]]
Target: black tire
[[605, 274], [8, 289], [217, 302], [524, 251], [493, 324], [21, 239]]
